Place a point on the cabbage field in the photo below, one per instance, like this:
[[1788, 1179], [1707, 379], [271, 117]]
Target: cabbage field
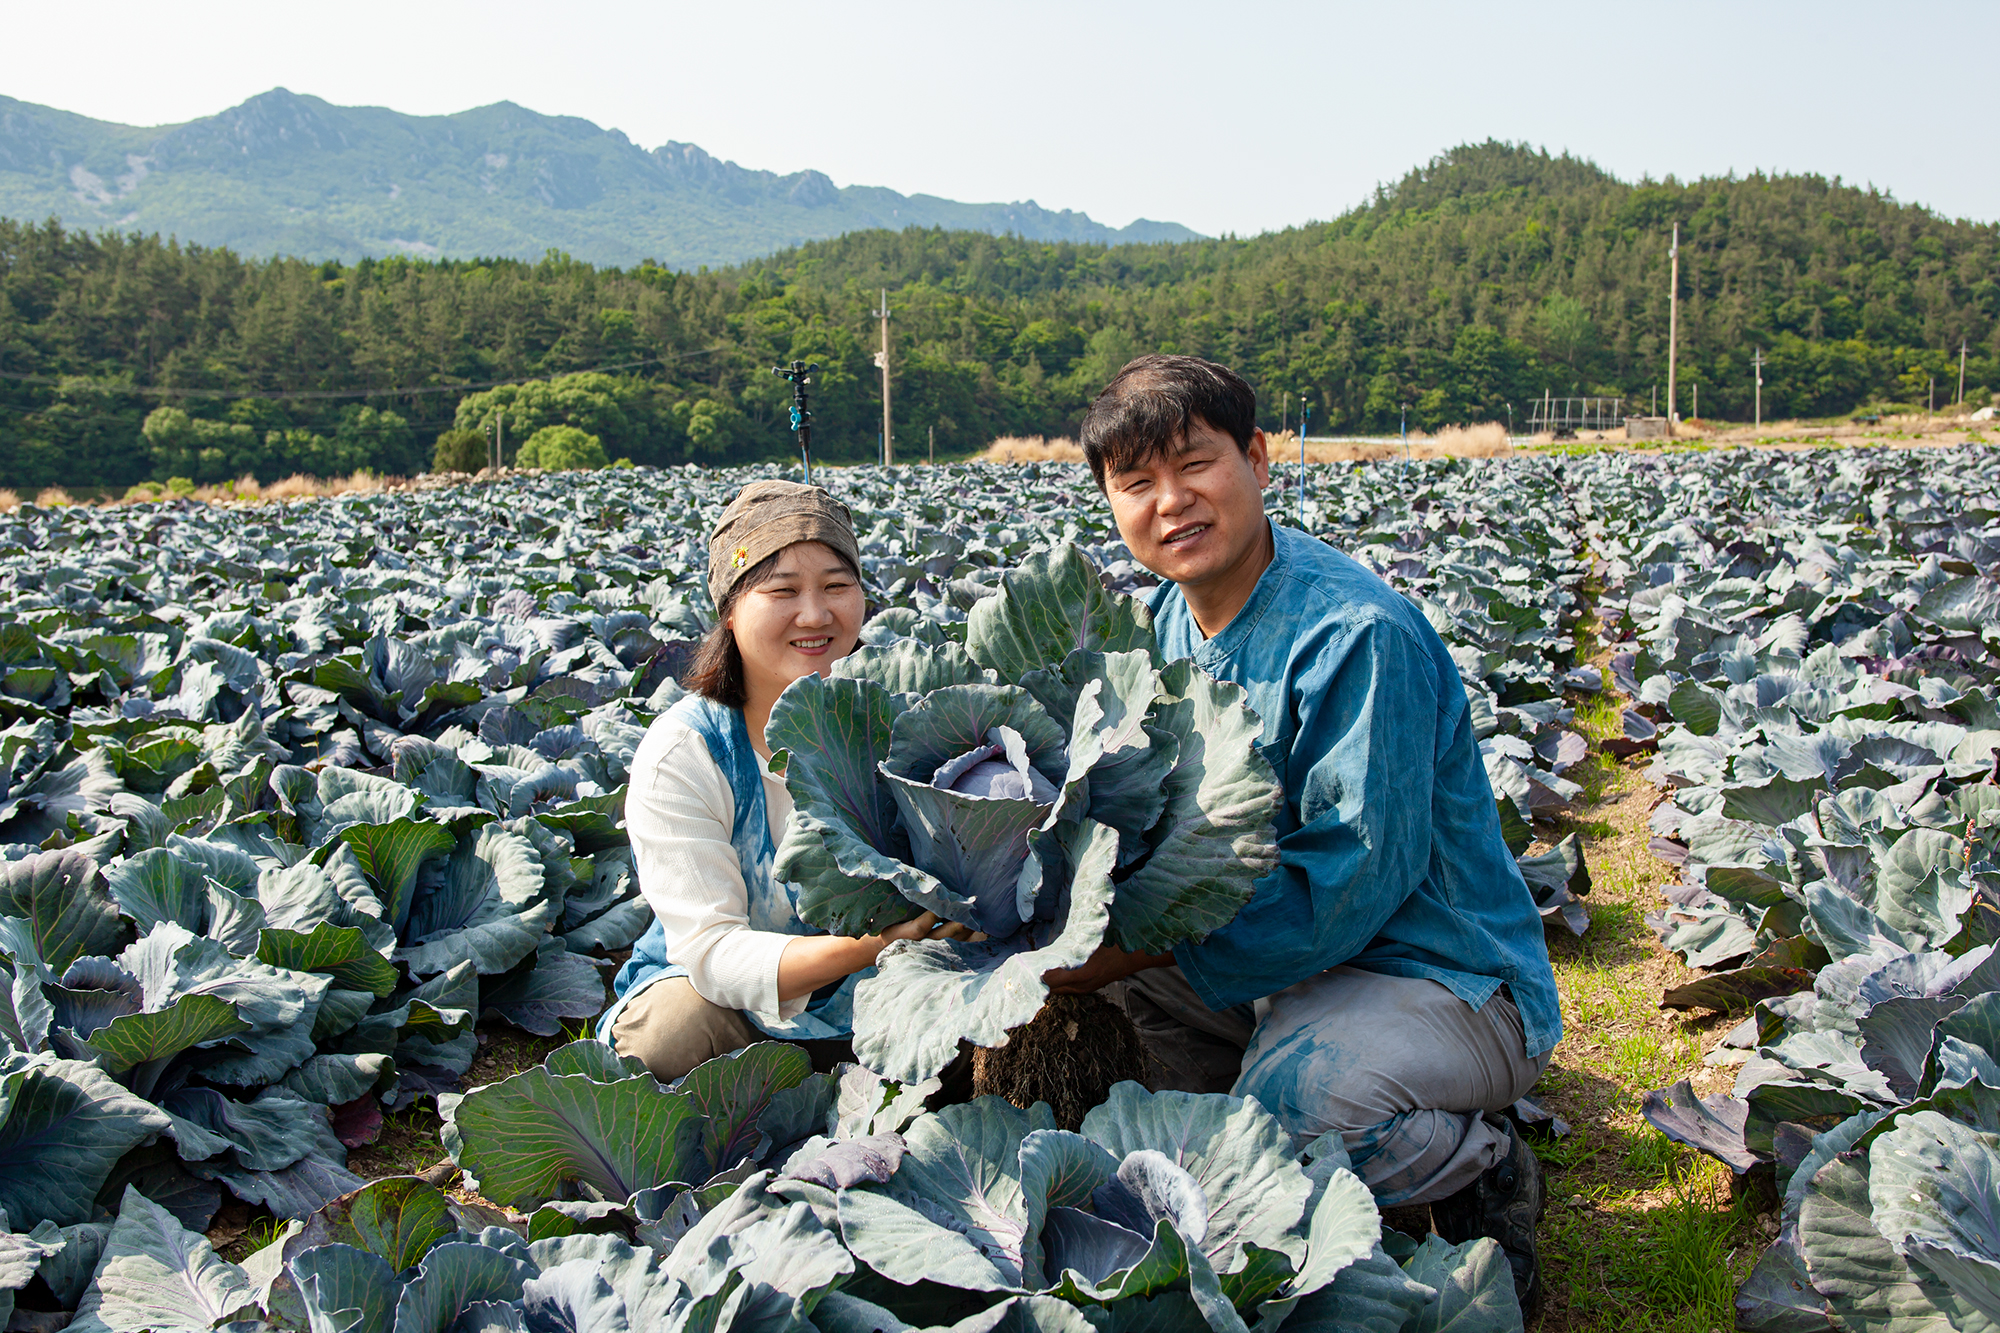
[[302, 800]]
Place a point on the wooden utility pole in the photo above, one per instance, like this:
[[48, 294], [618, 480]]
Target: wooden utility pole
[[1757, 363], [1673, 321], [1961, 376], [882, 360], [933, 446]]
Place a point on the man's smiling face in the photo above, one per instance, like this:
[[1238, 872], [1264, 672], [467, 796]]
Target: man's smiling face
[[1194, 512]]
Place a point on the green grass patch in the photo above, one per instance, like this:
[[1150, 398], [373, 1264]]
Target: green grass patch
[[262, 1232], [1667, 1258]]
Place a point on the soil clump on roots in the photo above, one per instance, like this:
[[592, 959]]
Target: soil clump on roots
[[1068, 1055]]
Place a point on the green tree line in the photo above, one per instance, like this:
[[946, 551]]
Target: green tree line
[[1475, 284]]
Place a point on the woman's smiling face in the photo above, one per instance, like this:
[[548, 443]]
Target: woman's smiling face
[[801, 619]]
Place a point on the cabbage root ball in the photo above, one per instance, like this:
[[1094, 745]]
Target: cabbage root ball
[[1070, 1055]]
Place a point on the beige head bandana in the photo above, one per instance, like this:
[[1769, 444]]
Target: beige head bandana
[[766, 517]]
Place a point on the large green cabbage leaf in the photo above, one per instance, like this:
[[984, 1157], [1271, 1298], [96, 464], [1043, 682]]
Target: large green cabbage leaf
[[1062, 793], [929, 995]]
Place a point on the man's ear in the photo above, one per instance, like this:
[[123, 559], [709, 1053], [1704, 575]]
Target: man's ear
[[1259, 453]]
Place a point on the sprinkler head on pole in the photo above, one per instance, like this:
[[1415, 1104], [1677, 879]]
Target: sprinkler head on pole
[[798, 375]]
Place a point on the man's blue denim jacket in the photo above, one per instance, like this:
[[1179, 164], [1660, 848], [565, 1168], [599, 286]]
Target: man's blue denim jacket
[[1390, 853]]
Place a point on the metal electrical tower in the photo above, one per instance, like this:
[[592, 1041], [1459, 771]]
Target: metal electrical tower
[[798, 375], [882, 360]]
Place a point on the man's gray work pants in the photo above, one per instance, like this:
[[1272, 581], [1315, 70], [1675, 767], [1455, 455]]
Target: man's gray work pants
[[1400, 1066]]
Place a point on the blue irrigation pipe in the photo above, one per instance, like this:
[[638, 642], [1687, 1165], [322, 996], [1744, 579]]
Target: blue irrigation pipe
[[1305, 415]]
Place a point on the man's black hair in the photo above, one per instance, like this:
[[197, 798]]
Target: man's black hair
[[1148, 407]]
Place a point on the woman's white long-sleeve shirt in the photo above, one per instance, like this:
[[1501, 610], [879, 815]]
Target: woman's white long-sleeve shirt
[[679, 813]]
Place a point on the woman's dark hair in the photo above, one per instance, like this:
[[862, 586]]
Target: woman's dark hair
[[1148, 406], [717, 670]]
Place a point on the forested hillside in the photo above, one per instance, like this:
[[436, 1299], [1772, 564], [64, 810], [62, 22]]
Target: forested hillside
[[1479, 281]]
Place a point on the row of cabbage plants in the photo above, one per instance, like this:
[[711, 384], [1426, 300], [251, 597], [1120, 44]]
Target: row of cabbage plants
[[1494, 556], [295, 797], [758, 1197], [1812, 654]]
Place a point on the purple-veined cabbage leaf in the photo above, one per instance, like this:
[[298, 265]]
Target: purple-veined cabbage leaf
[[1048, 785]]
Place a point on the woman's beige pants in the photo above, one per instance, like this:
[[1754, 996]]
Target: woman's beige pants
[[671, 1028]]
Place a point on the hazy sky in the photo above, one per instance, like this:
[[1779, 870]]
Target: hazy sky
[[1238, 116]]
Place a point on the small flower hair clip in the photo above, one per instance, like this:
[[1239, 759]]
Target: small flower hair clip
[[742, 556]]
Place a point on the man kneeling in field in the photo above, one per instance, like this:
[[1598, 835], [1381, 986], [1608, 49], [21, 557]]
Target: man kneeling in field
[[1389, 980]]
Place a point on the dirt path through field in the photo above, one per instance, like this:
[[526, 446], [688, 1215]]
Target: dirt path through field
[[1640, 1233]]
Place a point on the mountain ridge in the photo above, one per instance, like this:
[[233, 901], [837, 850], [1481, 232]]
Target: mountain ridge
[[289, 173]]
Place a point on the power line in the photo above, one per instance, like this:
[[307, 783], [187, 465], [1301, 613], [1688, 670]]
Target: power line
[[295, 395], [408, 423]]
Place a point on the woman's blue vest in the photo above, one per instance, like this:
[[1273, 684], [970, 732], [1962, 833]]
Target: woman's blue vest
[[772, 906]]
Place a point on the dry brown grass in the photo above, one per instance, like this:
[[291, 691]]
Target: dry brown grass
[[9, 501], [1486, 440], [51, 497], [299, 486], [245, 488], [248, 490], [1032, 449]]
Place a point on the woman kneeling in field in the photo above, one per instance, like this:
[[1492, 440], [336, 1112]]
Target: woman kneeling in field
[[728, 962]]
